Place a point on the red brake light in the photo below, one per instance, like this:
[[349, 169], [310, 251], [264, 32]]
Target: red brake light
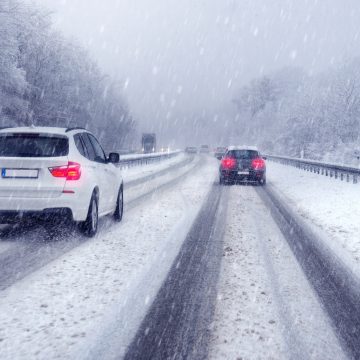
[[258, 164], [71, 171], [228, 163]]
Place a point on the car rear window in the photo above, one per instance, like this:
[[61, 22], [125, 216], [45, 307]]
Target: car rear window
[[243, 154], [33, 145]]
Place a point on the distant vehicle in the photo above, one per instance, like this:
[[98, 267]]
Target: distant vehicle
[[220, 152], [242, 163], [204, 149], [148, 143], [191, 150], [50, 173]]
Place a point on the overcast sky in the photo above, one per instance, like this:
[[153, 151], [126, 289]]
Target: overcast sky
[[178, 57]]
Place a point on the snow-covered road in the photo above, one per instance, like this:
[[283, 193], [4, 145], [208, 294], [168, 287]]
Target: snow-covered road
[[73, 305], [177, 324], [266, 308], [195, 270], [331, 207]]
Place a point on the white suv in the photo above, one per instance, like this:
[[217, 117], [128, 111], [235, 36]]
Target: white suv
[[51, 173]]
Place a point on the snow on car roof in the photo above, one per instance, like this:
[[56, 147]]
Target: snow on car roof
[[36, 129], [40, 129], [243, 147]]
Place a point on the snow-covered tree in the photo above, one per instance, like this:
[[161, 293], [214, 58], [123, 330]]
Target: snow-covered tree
[[48, 80], [12, 77], [293, 113]]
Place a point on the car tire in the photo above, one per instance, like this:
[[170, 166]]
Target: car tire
[[262, 182], [119, 211], [89, 227]]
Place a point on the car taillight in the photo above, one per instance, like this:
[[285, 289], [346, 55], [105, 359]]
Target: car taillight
[[71, 171], [258, 164], [228, 163]]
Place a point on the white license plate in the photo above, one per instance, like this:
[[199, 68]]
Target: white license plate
[[20, 173], [243, 172]]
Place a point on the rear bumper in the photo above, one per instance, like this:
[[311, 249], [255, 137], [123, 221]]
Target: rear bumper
[[51, 214], [253, 176], [47, 208]]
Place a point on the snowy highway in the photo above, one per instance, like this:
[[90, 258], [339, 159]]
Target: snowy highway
[[179, 180], [196, 270]]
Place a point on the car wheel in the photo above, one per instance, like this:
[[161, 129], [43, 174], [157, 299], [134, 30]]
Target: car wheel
[[262, 182], [118, 214], [89, 227]]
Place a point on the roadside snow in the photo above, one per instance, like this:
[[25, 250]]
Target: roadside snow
[[137, 191], [266, 309], [329, 206], [136, 172], [4, 246], [144, 156], [89, 302]]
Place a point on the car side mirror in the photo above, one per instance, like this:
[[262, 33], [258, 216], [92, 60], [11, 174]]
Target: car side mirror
[[114, 158], [264, 157]]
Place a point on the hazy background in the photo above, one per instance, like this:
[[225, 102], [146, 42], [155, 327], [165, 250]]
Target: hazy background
[[181, 60]]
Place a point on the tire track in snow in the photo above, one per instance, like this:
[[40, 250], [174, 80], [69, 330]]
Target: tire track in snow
[[177, 324], [266, 308], [335, 285]]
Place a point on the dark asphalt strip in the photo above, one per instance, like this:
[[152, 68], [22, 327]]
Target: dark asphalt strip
[[34, 247], [32, 251], [177, 324], [337, 288]]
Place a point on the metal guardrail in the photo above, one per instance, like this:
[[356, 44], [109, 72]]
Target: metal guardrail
[[127, 161], [332, 170]]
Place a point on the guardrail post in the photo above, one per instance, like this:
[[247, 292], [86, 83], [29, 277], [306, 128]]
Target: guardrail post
[[355, 180], [336, 174], [342, 176]]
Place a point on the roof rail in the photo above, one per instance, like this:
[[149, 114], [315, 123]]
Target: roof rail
[[74, 128]]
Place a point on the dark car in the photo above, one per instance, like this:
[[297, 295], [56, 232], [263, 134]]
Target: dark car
[[242, 164]]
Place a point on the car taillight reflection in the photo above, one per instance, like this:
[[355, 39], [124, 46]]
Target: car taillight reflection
[[258, 164], [71, 171], [228, 163]]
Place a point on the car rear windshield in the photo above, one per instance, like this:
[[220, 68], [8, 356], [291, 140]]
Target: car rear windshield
[[243, 154], [33, 145]]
